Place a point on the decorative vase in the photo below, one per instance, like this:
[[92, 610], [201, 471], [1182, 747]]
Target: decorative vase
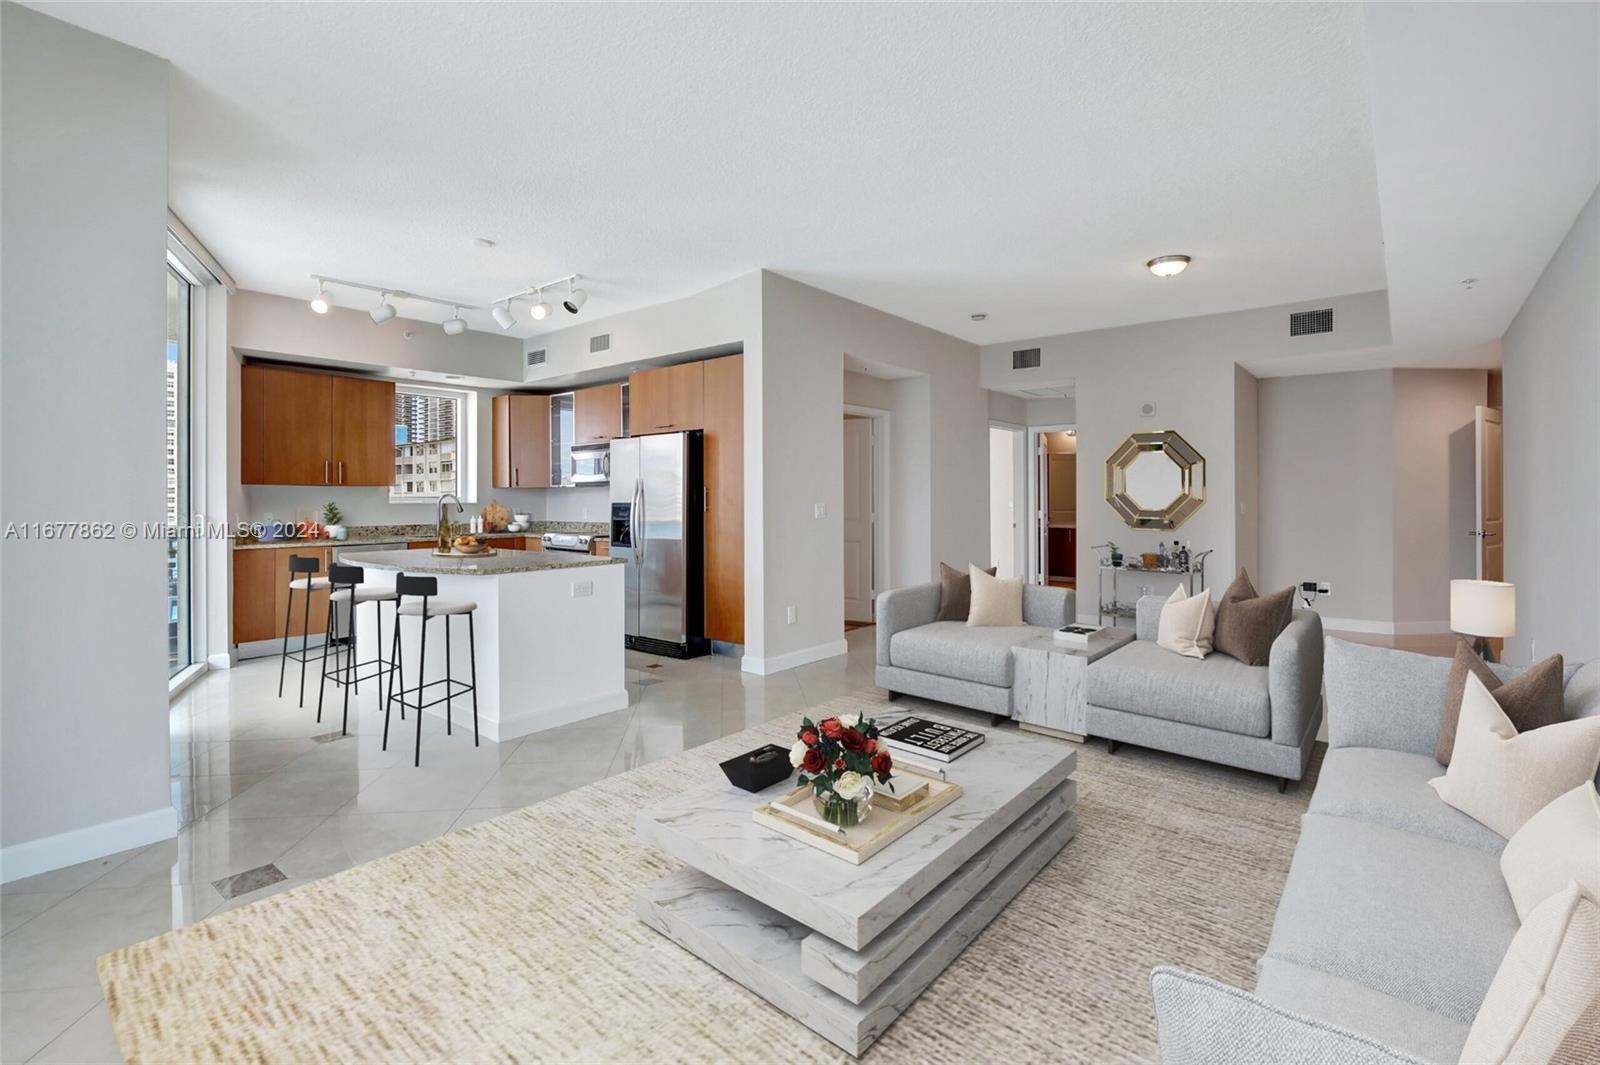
[[846, 813], [336, 532]]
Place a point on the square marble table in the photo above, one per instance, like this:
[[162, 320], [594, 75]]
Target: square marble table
[[846, 948], [1048, 689]]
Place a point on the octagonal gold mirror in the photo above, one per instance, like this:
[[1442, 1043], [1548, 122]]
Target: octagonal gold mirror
[[1155, 480]]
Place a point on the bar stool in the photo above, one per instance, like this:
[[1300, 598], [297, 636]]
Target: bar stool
[[349, 587], [425, 589], [306, 584]]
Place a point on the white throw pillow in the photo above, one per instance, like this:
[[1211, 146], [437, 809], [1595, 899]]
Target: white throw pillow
[[1501, 778], [1187, 623], [1544, 1002], [1558, 844], [995, 601]]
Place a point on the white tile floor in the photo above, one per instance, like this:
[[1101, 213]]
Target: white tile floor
[[254, 786]]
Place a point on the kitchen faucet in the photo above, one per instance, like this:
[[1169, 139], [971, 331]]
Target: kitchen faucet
[[444, 519]]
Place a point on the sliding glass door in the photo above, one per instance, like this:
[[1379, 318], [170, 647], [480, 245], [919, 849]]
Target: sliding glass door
[[180, 549]]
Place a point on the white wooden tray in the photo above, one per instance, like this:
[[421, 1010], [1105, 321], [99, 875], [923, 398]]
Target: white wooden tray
[[795, 815]]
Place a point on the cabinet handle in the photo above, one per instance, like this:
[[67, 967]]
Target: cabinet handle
[[516, 475], [341, 471], [324, 471], [667, 426]]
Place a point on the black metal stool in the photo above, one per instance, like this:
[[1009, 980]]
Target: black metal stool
[[349, 587], [306, 584], [426, 589]]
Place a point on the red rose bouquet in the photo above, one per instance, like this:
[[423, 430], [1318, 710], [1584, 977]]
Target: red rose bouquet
[[840, 757]]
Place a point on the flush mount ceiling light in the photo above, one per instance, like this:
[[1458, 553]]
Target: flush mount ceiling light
[[383, 311], [576, 297], [502, 315], [1168, 265], [455, 325], [322, 302]]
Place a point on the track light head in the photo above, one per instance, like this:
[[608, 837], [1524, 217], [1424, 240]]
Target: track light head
[[455, 326], [575, 300], [322, 303], [541, 310], [502, 315], [383, 311]]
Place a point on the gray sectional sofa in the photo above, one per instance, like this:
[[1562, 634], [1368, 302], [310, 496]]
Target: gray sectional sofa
[[1394, 916], [948, 661], [1261, 718]]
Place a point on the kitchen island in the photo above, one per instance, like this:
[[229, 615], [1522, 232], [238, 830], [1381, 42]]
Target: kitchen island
[[549, 634]]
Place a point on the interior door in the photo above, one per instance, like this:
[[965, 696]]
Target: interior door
[[858, 518], [660, 548], [1491, 494], [1041, 513]]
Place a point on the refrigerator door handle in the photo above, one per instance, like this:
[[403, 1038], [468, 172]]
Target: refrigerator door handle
[[636, 516]]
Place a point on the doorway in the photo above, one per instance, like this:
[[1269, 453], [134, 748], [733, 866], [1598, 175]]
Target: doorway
[[1008, 498], [864, 519], [1053, 493]]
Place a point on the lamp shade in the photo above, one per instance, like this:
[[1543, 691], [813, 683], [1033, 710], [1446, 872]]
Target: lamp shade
[[1483, 608]]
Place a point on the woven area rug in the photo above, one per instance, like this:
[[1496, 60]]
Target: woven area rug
[[515, 939]]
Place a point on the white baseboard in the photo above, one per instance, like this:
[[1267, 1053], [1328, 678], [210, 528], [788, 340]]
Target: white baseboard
[[1386, 628], [794, 659], [515, 726], [221, 661], [83, 844]]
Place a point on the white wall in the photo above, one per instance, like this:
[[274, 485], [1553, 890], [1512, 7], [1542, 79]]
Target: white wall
[[84, 689], [1552, 452]]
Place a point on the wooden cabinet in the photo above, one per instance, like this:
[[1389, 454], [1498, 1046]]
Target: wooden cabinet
[[666, 399], [302, 427], [261, 594], [722, 419], [597, 414], [521, 441], [420, 545], [312, 620], [601, 546]]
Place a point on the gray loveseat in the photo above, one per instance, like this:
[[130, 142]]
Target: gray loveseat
[[1261, 718], [1394, 916], [948, 661]]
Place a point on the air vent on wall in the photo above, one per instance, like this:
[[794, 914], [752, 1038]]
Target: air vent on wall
[[600, 343], [536, 358], [1025, 359], [1304, 323]]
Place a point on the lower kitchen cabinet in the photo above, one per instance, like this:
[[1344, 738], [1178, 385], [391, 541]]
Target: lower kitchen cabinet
[[261, 594]]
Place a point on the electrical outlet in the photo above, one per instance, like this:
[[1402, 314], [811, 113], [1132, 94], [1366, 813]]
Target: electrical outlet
[[819, 511], [790, 615], [582, 589], [1324, 588]]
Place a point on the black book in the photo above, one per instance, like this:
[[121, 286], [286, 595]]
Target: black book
[[929, 739]]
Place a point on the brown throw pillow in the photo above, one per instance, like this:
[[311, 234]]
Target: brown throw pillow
[[1531, 699], [1247, 623], [955, 593]]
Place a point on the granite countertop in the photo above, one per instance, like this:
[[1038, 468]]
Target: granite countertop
[[423, 560], [388, 534]]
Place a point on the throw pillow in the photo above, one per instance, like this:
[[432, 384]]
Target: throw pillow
[[1247, 623], [955, 593], [1502, 779], [1543, 1005], [1531, 699], [1187, 623], [1559, 843], [995, 601]]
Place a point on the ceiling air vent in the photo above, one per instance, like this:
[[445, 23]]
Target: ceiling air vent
[[600, 343], [536, 358], [1304, 323], [1025, 359]]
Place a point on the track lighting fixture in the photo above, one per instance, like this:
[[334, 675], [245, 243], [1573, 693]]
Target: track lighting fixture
[[383, 311], [321, 302], [576, 298], [502, 315], [456, 325]]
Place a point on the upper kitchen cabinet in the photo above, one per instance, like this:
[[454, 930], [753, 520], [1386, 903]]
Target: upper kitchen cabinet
[[598, 414], [666, 399], [303, 427], [521, 441]]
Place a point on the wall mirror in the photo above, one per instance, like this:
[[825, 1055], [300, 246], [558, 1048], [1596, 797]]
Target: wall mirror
[[1155, 480]]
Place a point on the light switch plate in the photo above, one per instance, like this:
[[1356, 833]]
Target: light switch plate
[[819, 511], [790, 615], [582, 589]]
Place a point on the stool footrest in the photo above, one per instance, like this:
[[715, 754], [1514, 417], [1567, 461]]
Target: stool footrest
[[457, 687]]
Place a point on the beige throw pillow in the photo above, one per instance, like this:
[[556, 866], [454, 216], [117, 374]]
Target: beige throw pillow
[[1543, 1005], [1187, 623], [995, 601], [1501, 778], [955, 593], [1559, 843]]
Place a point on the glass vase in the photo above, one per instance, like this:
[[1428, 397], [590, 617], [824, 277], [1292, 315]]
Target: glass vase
[[845, 813]]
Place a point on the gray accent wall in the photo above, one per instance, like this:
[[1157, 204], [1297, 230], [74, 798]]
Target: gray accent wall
[[1551, 358], [84, 210]]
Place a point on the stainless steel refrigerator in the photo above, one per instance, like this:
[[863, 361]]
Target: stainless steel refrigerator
[[657, 529]]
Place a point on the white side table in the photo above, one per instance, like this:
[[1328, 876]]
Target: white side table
[[1048, 693]]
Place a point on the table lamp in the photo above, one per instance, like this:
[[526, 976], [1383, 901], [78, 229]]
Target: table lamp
[[1483, 609]]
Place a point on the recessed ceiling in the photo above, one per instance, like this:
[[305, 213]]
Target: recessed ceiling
[[923, 159]]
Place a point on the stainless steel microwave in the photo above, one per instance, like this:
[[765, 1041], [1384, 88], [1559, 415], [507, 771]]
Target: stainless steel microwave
[[591, 463]]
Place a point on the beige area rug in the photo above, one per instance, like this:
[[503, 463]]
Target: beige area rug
[[515, 939]]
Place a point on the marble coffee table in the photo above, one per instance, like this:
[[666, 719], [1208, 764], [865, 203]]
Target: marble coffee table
[[843, 948]]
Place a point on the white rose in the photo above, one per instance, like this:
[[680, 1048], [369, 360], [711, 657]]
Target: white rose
[[849, 786], [797, 754], [849, 720]]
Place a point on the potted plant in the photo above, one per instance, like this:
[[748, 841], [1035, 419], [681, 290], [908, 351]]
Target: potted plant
[[840, 757], [333, 521]]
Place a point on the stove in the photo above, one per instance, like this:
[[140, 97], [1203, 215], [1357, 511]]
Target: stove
[[558, 541]]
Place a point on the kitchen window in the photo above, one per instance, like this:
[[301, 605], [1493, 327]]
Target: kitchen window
[[432, 435]]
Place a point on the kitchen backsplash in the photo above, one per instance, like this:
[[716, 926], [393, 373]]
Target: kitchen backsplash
[[576, 504], [371, 506]]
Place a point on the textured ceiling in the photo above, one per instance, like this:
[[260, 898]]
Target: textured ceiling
[[933, 161]]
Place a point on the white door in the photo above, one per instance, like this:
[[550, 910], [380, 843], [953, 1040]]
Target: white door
[[1491, 496], [1041, 516], [858, 518], [1002, 501]]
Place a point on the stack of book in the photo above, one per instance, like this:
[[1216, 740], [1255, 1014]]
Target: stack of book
[[934, 740]]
